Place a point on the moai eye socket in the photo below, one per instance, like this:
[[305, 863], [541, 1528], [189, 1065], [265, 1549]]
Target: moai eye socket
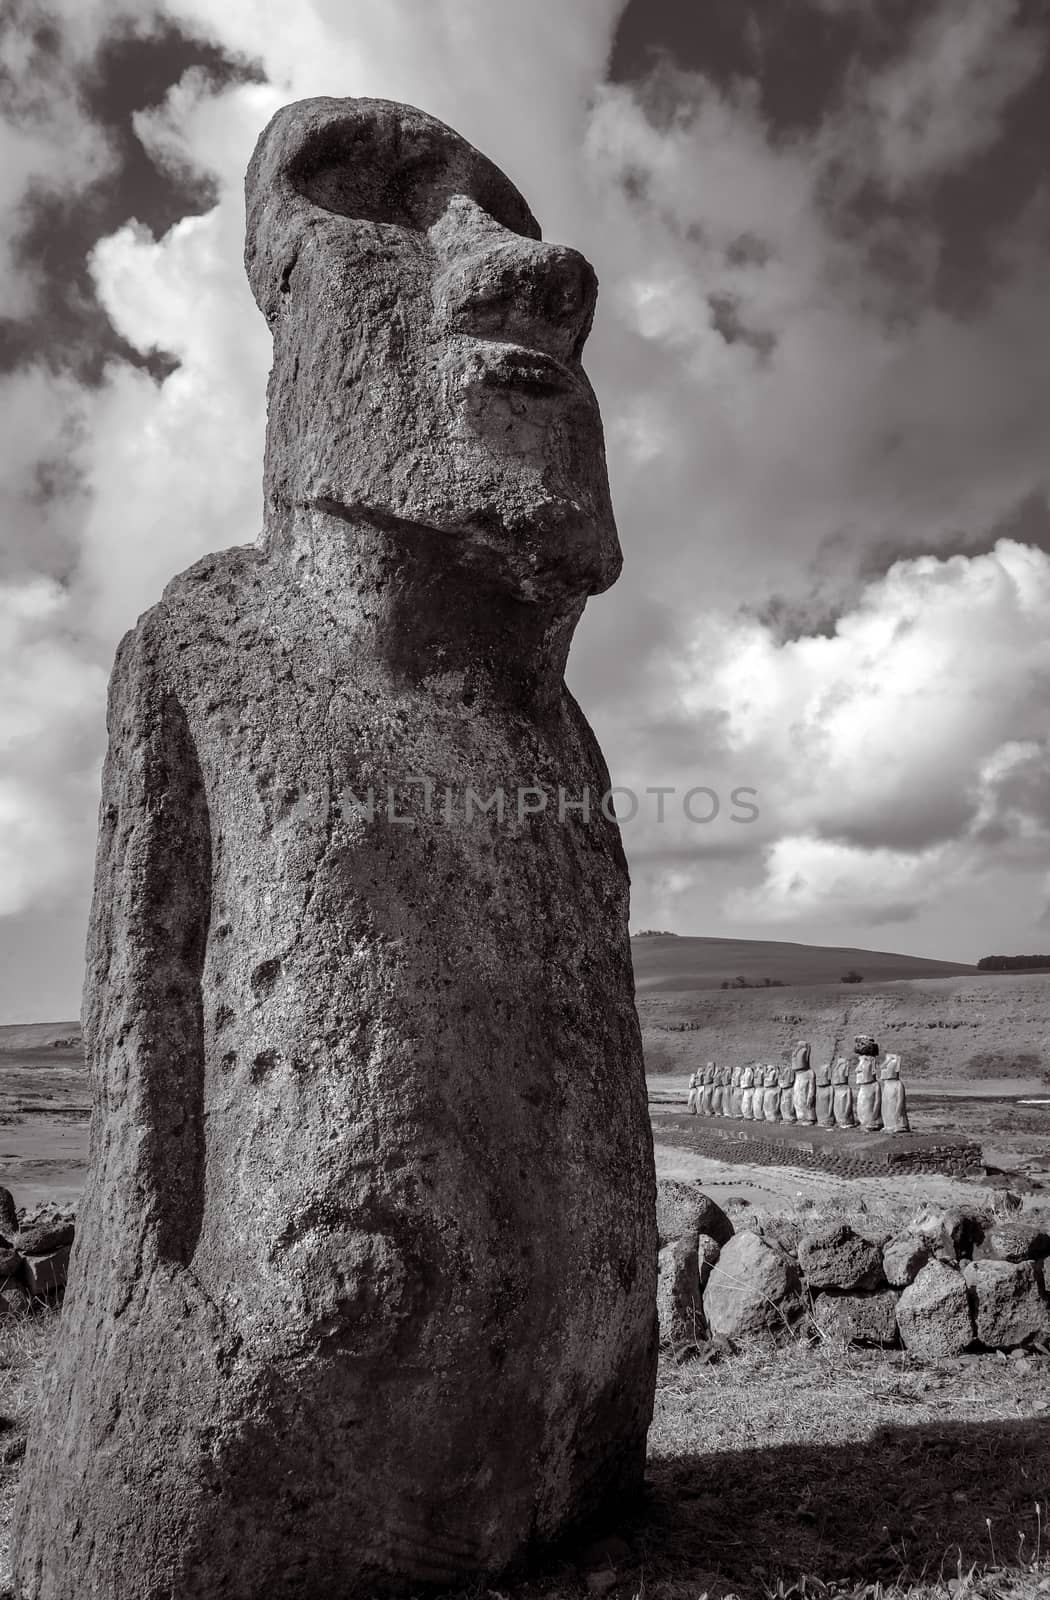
[[378, 173]]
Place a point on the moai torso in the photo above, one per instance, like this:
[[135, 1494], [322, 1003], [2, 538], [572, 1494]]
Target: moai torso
[[747, 1093], [824, 1096], [786, 1080], [430, 1312], [894, 1100], [771, 1094], [842, 1094], [867, 1099], [804, 1088]]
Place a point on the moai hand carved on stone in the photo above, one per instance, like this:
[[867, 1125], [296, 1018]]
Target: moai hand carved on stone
[[804, 1089], [894, 1098], [771, 1094], [868, 1096], [825, 1107], [324, 1337], [842, 1097]]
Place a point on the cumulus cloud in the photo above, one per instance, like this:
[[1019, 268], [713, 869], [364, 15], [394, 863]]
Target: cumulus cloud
[[50, 706], [784, 398], [48, 143], [942, 101]]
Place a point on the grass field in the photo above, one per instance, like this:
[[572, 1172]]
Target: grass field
[[677, 963], [807, 1472]]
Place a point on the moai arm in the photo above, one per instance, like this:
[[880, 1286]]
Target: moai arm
[[143, 1023]]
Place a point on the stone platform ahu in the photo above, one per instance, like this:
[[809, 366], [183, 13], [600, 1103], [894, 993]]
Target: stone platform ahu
[[363, 1291]]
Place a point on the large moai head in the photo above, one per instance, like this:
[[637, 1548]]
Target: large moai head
[[427, 342]]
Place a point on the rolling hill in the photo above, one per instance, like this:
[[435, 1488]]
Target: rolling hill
[[676, 963]]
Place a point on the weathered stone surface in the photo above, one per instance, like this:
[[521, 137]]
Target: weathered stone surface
[[364, 1283], [682, 1208], [858, 1318], [834, 1257], [754, 1288], [952, 1232], [10, 1263], [903, 1258], [8, 1216], [15, 1299], [45, 1273], [933, 1313], [1010, 1308], [1017, 1241], [38, 1238], [708, 1251], [678, 1296]]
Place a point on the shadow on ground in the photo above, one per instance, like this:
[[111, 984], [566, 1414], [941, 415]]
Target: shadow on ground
[[907, 1502]]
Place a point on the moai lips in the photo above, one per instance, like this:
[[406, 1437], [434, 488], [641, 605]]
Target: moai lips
[[363, 1293]]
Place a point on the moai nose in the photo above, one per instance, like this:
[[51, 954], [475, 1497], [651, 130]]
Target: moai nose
[[500, 285]]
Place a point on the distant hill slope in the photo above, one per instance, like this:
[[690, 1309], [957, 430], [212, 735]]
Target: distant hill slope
[[671, 963], [20, 1036]]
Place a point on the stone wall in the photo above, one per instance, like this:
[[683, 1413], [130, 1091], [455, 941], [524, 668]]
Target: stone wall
[[34, 1253], [948, 1282], [850, 1154]]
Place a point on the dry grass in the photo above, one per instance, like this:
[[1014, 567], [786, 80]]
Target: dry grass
[[804, 1473], [25, 1346]]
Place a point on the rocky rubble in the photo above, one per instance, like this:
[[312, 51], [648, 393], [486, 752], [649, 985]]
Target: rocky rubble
[[34, 1253], [952, 1280]]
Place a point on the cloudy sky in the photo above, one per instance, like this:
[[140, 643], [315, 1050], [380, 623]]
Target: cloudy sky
[[822, 231]]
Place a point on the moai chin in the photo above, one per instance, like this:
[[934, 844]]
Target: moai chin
[[363, 1295]]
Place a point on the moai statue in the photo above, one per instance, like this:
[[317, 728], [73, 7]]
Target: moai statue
[[868, 1095], [747, 1098], [707, 1095], [786, 1080], [824, 1098], [894, 1098], [722, 1092], [842, 1094], [736, 1095], [324, 1336], [804, 1089], [694, 1081], [771, 1094]]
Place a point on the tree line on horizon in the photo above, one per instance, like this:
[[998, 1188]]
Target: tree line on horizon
[[1014, 964]]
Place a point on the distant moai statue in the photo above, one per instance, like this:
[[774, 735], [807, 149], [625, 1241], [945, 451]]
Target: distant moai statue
[[786, 1080], [694, 1084], [868, 1095], [747, 1093], [736, 1093], [804, 1089], [326, 1336], [824, 1098], [707, 1094], [724, 1091], [842, 1094], [771, 1094], [894, 1097]]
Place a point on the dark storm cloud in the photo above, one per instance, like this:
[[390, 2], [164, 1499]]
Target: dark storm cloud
[[55, 229]]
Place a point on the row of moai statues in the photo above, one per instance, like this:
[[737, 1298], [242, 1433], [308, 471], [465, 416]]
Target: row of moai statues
[[871, 1096]]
